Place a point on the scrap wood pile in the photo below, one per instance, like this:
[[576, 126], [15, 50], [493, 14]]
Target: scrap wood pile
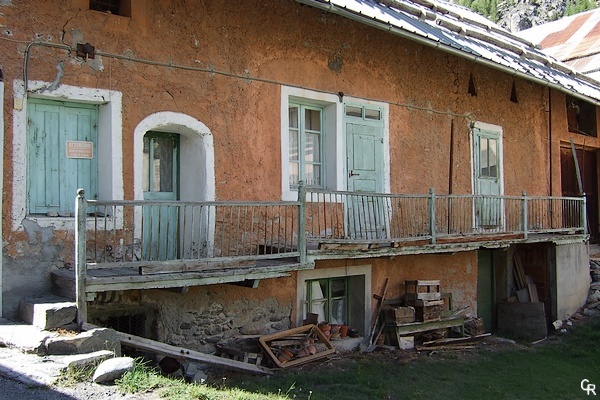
[[296, 346]]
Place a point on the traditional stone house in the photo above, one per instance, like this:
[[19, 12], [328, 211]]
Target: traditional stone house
[[246, 162]]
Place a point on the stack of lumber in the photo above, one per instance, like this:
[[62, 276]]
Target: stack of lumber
[[466, 343], [526, 289]]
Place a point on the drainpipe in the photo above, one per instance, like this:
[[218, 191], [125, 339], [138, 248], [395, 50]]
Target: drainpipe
[[1, 179]]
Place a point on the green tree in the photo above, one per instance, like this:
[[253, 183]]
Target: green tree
[[577, 6], [487, 8]]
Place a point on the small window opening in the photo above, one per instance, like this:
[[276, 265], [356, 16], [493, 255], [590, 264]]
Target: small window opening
[[116, 7], [472, 91], [581, 117]]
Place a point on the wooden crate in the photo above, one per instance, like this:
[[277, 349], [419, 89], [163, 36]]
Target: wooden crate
[[420, 290], [428, 313], [398, 314]]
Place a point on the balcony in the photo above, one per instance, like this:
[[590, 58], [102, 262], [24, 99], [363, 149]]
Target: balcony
[[121, 245]]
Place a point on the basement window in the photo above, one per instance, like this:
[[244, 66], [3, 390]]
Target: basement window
[[581, 117], [116, 7], [328, 298]]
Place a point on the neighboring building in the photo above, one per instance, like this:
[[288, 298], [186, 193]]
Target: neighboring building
[[574, 40], [217, 105]]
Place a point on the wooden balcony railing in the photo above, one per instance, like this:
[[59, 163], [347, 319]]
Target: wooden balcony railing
[[381, 218]]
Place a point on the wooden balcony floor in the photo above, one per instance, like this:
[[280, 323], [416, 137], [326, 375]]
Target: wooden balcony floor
[[130, 278]]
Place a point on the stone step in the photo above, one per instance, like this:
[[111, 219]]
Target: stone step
[[48, 312], [63, 283]]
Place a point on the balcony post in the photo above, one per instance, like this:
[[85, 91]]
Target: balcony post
[[432, 215], [302, 222], [583, 215], [524, 216], [80, 256]]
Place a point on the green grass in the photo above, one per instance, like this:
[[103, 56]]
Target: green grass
[[553, 369]]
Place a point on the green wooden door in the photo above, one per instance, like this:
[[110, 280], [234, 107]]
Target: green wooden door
[[485, 288], [62, 151], [161, 171], [489, 210], [364, 148]]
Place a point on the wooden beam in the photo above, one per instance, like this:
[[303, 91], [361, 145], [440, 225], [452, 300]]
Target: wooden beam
[[181, 352]]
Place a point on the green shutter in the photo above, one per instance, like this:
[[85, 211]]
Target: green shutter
[[53, 178]]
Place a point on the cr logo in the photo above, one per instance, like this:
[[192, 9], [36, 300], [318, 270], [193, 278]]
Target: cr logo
[[588, 387]]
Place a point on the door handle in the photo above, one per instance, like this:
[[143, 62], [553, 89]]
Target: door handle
[[352, 174]]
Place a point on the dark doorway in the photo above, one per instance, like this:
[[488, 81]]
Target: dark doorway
[[589, 179]]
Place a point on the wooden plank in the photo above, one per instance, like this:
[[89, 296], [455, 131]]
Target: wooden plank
[[533, 294], [523, 295], [181, 352], [377, 312], [127, 283], [344, 246], [520, 272], [422, 283], [193, 266], [450, 347], [456, 340]]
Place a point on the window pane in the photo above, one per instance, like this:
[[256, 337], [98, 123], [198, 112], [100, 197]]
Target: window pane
[[338, 287], [312, 119], [163, 165], [483, 156], [294, 173], [493, 158], [352, 111], [294, 145], [293, 117], [312, 174], [338, 311], [312, 151], [372, 114]]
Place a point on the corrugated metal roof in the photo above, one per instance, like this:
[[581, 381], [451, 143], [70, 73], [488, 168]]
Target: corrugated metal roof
[[458, 30], [575, 40]]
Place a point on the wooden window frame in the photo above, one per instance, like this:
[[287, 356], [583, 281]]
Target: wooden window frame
[[303, 132], [329, 298]]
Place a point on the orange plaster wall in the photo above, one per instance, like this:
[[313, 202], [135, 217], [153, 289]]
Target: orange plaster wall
[[283, 42], [456, 272]]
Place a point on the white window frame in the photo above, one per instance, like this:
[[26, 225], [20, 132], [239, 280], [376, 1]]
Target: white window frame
[[334, 137], [110, 142]]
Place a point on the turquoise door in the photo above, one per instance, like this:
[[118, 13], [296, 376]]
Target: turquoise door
[[364, 148], [62, 140], [161, 222], [489, 210]]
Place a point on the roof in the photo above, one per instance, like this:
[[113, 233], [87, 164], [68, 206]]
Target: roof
[[575, 40], [458, 30]]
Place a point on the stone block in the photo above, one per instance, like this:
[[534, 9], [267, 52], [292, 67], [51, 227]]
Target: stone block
[[85, 342], [48, 312], [88, 359], [112, 369]]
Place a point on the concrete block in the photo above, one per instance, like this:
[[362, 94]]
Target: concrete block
[[407, 342], [85, 342], [48, 312]]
